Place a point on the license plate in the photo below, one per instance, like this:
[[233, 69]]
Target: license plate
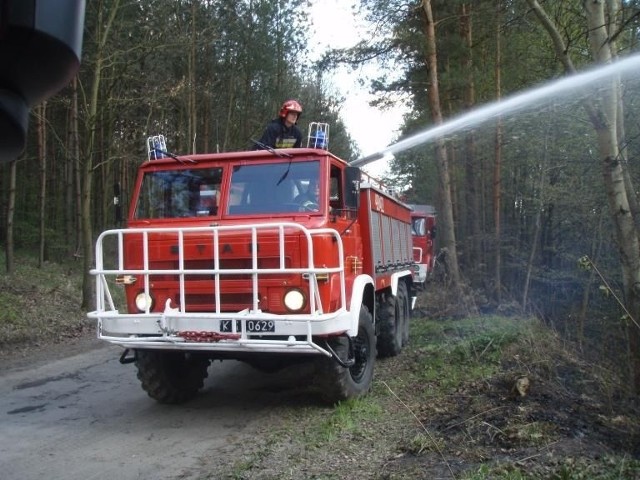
[[253, 326]]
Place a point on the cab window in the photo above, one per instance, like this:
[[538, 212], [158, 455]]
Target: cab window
[[179, 193]]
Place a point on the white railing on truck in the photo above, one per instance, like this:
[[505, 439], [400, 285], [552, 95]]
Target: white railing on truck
[[104, 298], [174, 328]]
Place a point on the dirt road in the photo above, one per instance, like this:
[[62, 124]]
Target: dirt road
[[86, 417]]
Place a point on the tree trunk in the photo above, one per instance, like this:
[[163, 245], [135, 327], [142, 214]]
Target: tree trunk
[[192, 81], [42, 163], [607, 132], [472, 174], [231, 92], [497, 166], [447, 224], [11, 208], [596, 246], [604, 120], [616, 21], [537, 227], [88, 290], [73, 166]]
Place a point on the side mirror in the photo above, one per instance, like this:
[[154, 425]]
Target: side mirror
[[352, 188], [40, 47]]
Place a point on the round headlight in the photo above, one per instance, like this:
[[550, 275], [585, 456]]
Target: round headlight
[[144, 301], [294, 300]]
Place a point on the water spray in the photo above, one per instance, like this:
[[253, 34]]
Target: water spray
[[503, 107]]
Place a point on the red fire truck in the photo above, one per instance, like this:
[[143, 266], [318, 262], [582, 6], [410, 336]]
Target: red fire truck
[[423, 231], [268, 257]]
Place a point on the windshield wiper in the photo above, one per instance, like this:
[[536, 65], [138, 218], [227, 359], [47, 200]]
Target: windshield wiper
[[271, 150], [175, 157]]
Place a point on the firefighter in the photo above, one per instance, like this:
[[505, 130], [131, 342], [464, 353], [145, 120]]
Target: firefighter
[[282, 132], [310, 200]]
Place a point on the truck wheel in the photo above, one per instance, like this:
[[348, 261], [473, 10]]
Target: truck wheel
[[337, 383], [403, 299], [391, 321], [171, 377]]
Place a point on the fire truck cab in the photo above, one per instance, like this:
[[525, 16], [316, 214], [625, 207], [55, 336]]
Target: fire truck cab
[[423, 232], [269, 257]]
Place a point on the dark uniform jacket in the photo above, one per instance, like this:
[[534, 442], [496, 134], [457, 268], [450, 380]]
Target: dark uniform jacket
[[277, 135]]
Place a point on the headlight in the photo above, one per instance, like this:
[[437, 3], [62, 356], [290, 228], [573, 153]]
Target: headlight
[[294, 300], [144, 301]]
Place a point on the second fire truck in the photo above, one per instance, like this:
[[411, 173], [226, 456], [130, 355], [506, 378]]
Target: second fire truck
[[423, 230]]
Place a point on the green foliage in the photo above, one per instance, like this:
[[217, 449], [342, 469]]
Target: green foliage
[[457, 351], [553, 208], [10, 318], [349, 418], [207, 75]]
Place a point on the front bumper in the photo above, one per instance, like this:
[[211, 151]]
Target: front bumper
[[175, 330]]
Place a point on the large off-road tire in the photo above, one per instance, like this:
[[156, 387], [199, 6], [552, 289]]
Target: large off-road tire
[[337, 383], [171, 377], [405, 307], [391, 323]]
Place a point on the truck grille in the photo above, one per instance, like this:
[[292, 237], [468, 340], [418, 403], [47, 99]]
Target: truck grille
[[205, 302], [225, 264]]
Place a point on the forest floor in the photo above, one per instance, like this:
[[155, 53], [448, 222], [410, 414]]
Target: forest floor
[[471, 397], [40, 314]]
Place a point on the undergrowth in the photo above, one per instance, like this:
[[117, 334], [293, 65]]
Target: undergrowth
[[40, 304], [448, 407]]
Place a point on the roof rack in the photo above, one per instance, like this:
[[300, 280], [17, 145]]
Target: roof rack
[[156, 147], [318, 136]]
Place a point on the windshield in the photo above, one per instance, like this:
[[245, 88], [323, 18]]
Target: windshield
[[180, 193], [274, 188], [418, 226]]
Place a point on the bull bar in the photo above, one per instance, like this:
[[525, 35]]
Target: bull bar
[[168, 329]]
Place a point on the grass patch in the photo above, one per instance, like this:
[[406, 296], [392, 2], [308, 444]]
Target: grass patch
[[450, 353], [40, 304], [350, 417], [608, 467]]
